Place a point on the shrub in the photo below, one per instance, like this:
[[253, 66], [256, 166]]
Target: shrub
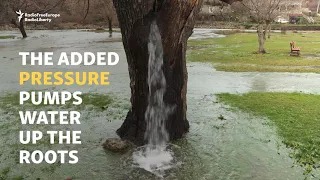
[[247, 26]]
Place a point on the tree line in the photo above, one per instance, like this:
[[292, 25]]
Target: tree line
[[71, 11]]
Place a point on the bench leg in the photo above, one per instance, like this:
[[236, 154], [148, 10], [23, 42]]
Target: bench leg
[[295, 53]]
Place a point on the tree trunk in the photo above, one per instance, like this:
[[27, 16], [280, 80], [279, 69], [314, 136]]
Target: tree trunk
[[110, 26], [261, 39], [20, 26], [175, 20], [267, 31]]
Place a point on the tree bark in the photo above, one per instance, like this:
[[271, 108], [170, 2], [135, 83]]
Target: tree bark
[[21, 28], [261, 38], [265, 33], [175, 20], [267, 30], [110, 26]]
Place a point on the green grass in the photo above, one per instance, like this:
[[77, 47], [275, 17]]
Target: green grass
[[98, 102], [7, 37], [296, 116], [250, 68], [4, 173], [101, 30], [277, 25], [238, 52], [105, 107], [295, 25]]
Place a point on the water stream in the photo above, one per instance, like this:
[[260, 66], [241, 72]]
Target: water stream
[[155, 157], [157, 111]]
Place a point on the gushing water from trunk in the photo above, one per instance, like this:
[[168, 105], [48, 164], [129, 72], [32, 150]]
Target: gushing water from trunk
[[157, 111], [155, 156]]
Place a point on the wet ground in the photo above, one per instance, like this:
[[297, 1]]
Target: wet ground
[[241, 147]]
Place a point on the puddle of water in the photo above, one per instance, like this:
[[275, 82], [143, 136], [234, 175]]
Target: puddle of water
[[213, 82], [240, 147], [205, 33]]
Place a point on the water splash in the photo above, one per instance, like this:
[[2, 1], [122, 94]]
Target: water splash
[[155, 160], [156, 156]]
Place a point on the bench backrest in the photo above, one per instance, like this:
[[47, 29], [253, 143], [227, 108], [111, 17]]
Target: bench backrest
[[292, 44]]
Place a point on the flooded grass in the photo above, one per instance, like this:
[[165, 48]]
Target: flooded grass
[[221, 144], [296, 117], [7, 37], [100, 30], [228, 32], [98, 111], [237, 50], [260, 68], [4, 173], [98, 102]]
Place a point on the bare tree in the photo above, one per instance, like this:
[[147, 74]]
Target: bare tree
[[272, 12], [108, 11], [18, 8], [263, 12]]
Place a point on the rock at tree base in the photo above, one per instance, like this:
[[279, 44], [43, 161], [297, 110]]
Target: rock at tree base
[[116, 145]]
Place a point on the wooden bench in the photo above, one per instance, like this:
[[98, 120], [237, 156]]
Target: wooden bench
[[295, 51]]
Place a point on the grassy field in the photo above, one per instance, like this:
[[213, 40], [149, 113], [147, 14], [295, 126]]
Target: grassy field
[[97, 102], [296, 116], [97, 110], [99, 30], [236, 53], [7, 37]]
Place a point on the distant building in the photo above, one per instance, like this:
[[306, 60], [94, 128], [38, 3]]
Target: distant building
[[291, 11], [295, 11], [295, 18]]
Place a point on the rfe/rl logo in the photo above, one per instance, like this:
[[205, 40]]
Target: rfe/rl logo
[[20, 15]]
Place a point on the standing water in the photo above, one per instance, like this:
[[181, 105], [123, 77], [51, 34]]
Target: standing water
[[155, 157]]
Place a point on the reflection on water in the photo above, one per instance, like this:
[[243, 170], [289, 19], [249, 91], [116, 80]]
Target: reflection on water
[[259, 83]]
